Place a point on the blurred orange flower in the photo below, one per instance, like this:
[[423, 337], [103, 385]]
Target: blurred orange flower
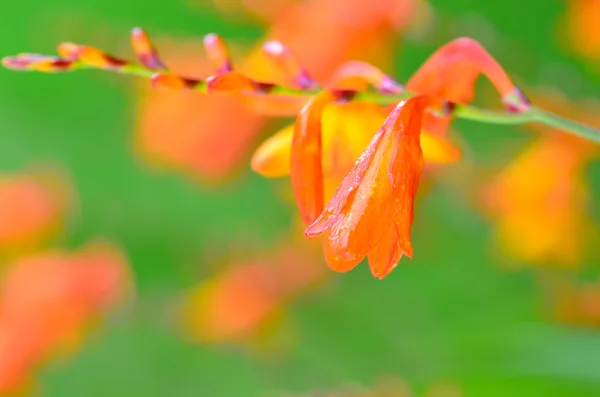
[[188, 132], [582, 29], [236, 304], [578, 304], [49, 300], [539, 202], [32, 208]]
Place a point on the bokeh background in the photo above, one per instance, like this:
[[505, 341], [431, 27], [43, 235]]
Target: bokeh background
[[140, 255]]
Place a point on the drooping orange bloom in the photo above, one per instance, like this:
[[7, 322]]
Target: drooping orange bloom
[[187, 132], [237, 303], [539, 202], [371, 212], [32, 208], [47, 302], [580, 24]]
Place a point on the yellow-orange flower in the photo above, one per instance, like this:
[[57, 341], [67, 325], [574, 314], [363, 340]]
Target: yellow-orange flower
[[234, 305], [581, 26], [347, 129], [371, 212], [539, 201]]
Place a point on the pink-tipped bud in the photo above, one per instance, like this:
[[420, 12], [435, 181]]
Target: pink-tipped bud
[[17, 62], [40, 63], [145, 50], [68, 50], [285, 60], [217, 52]]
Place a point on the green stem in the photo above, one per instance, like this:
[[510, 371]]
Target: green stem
[[461, 111], [561, 123]]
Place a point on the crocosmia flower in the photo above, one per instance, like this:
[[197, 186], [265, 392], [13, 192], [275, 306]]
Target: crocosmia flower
[[239, 303], [49, 300], [371, 212], [32, 208], [546, 181]]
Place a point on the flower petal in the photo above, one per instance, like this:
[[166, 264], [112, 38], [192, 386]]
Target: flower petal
[[306, 163], [272, 158], [452, 70], [438, 150], [384, 257]]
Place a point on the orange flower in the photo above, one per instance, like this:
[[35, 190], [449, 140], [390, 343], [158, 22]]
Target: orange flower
[[539, 201], [237, 303], [32, 206], [371, 212], [347, 129], [48, 300], [187, 132], [581, 26]]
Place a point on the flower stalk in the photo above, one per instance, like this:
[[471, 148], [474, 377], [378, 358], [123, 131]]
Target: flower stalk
[[383, 89]]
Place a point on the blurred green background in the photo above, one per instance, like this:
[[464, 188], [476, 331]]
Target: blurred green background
[[451, 314]]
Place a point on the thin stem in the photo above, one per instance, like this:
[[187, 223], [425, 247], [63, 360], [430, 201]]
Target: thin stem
[[467, 112], [561, 123]]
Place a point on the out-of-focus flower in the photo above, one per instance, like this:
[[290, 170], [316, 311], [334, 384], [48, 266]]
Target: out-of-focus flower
[[32, 209], [578, 304], [371, 212], [238, 303], [49, 300], [539, 203], [580, 23], [188, 132]]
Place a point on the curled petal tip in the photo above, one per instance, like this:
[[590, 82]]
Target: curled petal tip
[[211, 39], [390, 86], [381, 274], [136, 31], [516, 101]]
